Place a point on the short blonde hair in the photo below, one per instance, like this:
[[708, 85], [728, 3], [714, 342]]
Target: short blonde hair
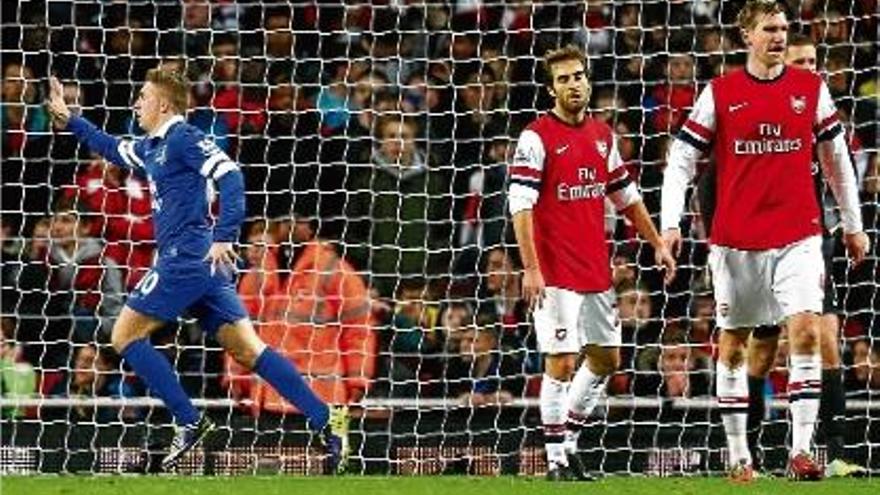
[[753, 10], [173, 84]]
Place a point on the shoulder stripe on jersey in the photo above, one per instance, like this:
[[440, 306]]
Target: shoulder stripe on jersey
[[698, 130], [211, 162], [523, 171], [531, 184], [617, 185], [618, 173], [126, 150], [224, 168], [689, 138], [830, 133], [827, 124]]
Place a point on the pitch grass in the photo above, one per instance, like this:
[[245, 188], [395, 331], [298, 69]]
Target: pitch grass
[[445, 485]]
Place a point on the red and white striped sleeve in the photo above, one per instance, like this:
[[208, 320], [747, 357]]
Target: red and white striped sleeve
[[694, 140], [526, 172], [827, 125], [834, 158], [699, 129]]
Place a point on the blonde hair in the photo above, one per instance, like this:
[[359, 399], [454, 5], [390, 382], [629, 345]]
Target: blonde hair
[[753, 10], [173, 84]]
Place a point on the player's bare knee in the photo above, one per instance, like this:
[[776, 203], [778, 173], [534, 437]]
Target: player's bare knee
[[560, 366], [603, 361], [805, 340], [245, 357], [241, 342], [732, 347], [129, 327]]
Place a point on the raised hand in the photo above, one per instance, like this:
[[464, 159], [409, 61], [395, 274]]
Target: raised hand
[[56, 105]]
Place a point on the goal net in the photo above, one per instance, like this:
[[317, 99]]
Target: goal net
[[378, 254]]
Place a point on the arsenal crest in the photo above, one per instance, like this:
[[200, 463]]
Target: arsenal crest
[[798, 104], [602, 148]]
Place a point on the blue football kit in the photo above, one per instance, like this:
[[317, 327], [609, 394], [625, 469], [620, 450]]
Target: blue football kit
[[182, 166]]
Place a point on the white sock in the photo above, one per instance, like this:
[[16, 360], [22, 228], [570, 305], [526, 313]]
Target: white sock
[[804, 389], [732, 388], [553, 409], [584, 393]]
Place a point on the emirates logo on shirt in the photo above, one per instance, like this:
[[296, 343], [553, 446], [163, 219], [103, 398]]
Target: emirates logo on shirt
[[798, 104]]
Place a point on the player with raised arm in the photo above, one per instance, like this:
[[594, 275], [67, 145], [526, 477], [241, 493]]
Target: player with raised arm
[[195, 263], [762, 123], [565, 166]]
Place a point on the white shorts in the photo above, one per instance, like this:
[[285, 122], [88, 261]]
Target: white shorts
[[569, 320], [754, 288]]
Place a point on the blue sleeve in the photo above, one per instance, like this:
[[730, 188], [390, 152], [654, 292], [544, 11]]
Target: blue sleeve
[[121, 152], [201, 154], [232, 206]]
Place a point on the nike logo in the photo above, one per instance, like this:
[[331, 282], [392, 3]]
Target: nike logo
[[560, 150], [733, 108]]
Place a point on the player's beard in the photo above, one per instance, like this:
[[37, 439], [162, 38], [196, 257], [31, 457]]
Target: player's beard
[[573, 108]]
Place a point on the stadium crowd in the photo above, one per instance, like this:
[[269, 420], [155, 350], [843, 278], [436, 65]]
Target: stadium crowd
[[374, 141]]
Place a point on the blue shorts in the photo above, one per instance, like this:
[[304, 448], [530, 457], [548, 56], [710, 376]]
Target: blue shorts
[[167, 291]]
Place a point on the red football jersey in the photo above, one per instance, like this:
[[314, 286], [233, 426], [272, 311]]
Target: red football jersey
[[762, 134], [569, 170]]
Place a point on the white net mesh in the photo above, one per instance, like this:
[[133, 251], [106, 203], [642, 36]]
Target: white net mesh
[[388, 129]]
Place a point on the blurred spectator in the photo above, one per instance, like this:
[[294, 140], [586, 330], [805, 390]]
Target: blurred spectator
[[120, 208], [203, 115], [243, 112], [454, 316], [370, 99], [484, 206], [413, 340], [607, 106], [671, 369], [702, 318], [481, 374], [22, 115], [635, 310], [672, 100], [624, 270], [333, 103], [280, 39], [502, 292], [17, 377], [321, 320], [79, 269], [397, 209], [197, 27], [830, 27], [478, 116], [95, 373]]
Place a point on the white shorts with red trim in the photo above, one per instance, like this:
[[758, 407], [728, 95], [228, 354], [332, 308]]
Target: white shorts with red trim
[[754, 288], [567, 320]]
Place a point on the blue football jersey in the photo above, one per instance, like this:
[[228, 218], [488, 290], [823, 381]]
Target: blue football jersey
[[181, 164]]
